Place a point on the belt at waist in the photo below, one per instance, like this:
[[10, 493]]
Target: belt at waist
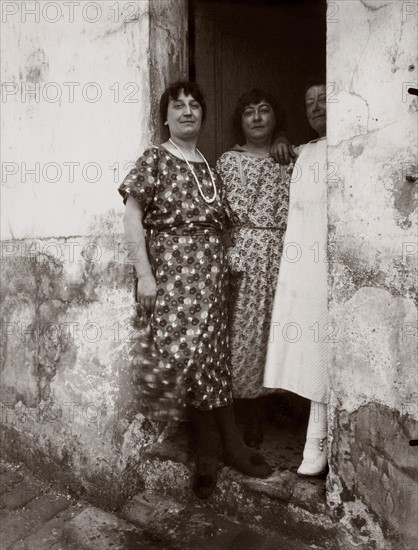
[[186, 229], [269, 227]]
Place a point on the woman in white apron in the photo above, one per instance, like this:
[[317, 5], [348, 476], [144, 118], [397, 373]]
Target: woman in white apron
[[300, 336]]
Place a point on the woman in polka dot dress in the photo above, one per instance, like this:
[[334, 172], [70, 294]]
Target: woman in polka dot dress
[[174, 196]]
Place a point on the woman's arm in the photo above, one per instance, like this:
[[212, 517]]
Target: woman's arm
[[134, 231], [281, 150]]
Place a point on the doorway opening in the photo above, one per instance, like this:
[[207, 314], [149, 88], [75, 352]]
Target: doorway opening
[[276, 46], [237, 45]]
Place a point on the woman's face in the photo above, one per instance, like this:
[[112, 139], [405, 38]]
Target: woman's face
[[316, 108], [184, 117], [258, 122]]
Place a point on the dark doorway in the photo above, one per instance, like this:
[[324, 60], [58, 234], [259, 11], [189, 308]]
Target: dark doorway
[[239, 45], [277, 46]]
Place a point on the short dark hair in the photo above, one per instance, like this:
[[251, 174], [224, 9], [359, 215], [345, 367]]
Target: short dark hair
[[254, 97], [318, 80], [173, 92]]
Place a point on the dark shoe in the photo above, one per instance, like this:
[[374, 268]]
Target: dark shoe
[[252, 416], [253, 434], [207, 468], [258, 460], [251, 464]]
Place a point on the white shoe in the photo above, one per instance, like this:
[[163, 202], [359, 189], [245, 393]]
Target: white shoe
[[314, 457]]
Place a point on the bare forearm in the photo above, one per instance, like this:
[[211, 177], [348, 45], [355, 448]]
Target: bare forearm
[[135, 236]]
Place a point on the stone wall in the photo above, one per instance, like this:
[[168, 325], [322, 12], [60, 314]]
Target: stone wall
[[372, 152], [76, 112]]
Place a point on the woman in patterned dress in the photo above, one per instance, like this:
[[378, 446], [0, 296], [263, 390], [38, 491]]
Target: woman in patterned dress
[[256, 200], [298, 352], [182, 282]]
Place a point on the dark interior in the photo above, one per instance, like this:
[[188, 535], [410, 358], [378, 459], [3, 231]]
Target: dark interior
[[239, 45]]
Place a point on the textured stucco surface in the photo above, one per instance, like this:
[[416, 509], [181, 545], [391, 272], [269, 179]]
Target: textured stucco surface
[[67, 387], [372, 143], [68, 405]]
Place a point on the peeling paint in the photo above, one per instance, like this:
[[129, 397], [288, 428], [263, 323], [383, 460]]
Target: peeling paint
[[37, 67], [385, 479], [68, 403], [405, 197], [373, 277], [72, 397], [356, 148]]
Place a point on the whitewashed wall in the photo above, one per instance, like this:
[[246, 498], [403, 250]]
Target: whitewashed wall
[[67, 399], [372, 148], [75, 89]]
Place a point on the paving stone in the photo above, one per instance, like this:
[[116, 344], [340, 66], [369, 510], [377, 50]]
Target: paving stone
[[196, 526], [19, 494], [279, 485], [94, 529], [9, 478], [49, 535], [18, 524], [158, 475], [310, 495]]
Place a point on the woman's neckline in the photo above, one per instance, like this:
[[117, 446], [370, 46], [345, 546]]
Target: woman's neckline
[[161, 146], [239, 149]]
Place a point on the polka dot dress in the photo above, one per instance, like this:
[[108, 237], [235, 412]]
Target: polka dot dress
[[185, 248]]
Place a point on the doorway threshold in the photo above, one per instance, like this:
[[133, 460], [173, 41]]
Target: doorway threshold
[[283, 503]]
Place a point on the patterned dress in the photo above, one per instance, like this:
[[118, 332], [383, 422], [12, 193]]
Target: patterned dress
[[256, 199], [185, 249]]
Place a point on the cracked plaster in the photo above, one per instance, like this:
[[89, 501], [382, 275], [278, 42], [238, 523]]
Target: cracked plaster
[[68, 405], [372, 138]]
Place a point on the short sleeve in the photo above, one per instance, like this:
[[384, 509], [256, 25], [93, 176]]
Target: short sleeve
[[227, 168], [298, 149], [141, 181]]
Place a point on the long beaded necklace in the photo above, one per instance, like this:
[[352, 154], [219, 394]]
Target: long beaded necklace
[[206, 199]]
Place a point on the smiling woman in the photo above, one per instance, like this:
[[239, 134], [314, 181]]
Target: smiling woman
[[316, 108], [184, 117], [298, 362], [175, 219], [255, 197]]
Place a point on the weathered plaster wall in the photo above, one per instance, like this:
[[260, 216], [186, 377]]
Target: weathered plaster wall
[[66, 387], [372, 146], [74, 91]]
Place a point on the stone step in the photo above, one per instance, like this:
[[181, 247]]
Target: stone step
[[286, 503], [195, 525], [272, 504], [95, 529]]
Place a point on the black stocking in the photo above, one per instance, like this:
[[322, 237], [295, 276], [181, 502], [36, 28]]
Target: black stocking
[[236, 454], [206, 445]]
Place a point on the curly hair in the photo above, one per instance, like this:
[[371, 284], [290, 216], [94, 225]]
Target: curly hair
[[254, 97]]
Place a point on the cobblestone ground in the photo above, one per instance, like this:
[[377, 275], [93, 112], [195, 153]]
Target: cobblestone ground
[[243, 514], [34, 516]]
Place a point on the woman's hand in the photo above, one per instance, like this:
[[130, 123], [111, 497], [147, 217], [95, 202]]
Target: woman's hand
[[282, 151], [146, 292], [234, 261]]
